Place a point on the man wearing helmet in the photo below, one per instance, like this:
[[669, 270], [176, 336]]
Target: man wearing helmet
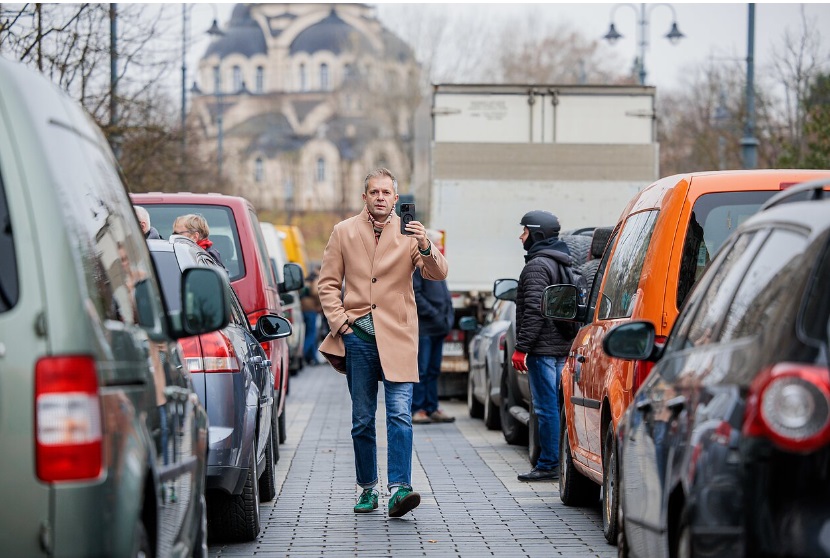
[[540, 347]]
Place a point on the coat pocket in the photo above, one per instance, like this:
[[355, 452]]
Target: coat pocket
[[403, 311]]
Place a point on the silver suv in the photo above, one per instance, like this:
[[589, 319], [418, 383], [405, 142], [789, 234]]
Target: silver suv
[[104, 439]]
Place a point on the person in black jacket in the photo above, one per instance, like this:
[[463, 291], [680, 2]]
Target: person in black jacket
[[541, 348], [435, 318], [143, 216]]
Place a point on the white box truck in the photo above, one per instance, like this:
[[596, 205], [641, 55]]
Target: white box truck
[[499, 151]]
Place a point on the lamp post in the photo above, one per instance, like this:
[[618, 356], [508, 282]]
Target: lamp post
[[214, 31], [749, 143], [674, 35]]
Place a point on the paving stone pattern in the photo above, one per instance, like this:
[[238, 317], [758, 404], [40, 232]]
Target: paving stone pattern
[[471, 502]]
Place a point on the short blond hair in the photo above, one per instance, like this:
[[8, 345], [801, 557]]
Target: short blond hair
[[193, 223], [378, 173]]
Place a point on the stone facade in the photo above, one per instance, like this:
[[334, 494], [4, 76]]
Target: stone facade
[[310, 98]]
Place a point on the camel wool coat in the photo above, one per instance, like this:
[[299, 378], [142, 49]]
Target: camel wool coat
[[375, 278]]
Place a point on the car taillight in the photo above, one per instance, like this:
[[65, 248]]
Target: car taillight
[[67, 419], [211, 352], [642, 368], [252, 319], [454, 336], [789, 403], [502, 342]]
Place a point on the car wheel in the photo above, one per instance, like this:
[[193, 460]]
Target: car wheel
[[515, 433], [268, 480], [235, 517], [574, 488], [610, 486], [492, 416], [474, 407], [533, 447]]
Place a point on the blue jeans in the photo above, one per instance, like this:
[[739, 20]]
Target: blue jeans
[[310, 345], [363, 372], [544, 375], [425, 393]]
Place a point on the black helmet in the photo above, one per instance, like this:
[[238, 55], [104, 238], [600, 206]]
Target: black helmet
[[541, 224]]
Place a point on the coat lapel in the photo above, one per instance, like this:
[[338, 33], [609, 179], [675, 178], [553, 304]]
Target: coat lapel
[[387, 236], [367, 234]]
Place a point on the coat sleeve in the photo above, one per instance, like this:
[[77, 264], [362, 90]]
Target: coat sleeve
[[434, 266], [330, 283]]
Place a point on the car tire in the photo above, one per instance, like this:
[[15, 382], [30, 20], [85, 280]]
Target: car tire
[[474, 406], [492, 415], [575, 489], [515, 433], [268, 480], [610, 486], [579, 247], [235, 517], [533, 447]]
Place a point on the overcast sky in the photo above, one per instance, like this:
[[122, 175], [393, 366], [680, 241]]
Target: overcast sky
[[711, 29]]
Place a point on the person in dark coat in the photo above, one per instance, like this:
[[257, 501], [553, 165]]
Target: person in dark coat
[[143, 216], [195, 227], [541, 348], [435, 319]]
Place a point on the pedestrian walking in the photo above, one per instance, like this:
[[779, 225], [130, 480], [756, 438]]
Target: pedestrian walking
[[365, 288], [435, 319], [541, 348], [195, 227], [310, 304], [143, 217]]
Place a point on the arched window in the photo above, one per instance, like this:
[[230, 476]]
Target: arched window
[[217, 80], [260, 79], [321, 169], [237, 79], [258, 170], [303, 83], [324, 77]]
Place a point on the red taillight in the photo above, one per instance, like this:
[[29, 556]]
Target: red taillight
[[502, 342], [454, 336], [67, 419], [789, 403], [252, 319], [642, 368], [210, 353]]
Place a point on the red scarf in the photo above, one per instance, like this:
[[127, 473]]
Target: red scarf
[[204, 244]]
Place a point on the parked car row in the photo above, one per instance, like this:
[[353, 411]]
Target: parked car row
[[739, 398]]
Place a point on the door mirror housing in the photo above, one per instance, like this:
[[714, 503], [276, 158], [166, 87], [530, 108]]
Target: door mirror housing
[[505, 289], [205, 303], [293, 275], [631, 341], [270, 327], [561, 302]]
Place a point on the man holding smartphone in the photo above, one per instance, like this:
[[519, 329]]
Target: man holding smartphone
[[365, 287]]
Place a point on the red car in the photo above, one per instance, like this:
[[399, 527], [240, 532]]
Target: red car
[[236, 234]]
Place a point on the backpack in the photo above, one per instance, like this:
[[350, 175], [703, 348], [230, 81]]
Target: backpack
[[572, 276]]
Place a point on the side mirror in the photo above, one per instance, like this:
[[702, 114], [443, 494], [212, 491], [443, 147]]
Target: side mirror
[[505, 289], [468, 323], [630, 341], [205, 301], [270, 327], [293, 274], [560, 302], [146, 313], [286, 298]]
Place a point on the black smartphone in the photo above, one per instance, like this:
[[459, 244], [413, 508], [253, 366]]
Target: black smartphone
[[407, 215]]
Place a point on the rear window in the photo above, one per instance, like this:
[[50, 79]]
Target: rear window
[[9, 287], [170, 277], [714, 218], [222, 225]]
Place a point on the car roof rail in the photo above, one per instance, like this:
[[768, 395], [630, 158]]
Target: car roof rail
[[815, 186]]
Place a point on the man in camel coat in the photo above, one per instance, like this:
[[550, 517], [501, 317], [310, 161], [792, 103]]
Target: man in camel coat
[[365, 287]]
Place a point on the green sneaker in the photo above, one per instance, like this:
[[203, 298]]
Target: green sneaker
[[367, 502], [403, 501]]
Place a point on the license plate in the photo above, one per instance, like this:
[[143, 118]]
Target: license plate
[[453, 349]]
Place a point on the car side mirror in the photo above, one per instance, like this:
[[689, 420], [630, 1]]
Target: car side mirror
[[270, 327], [631, 341], [205, 301], [505, 289], [561, 302], [145, 310], [468, 323], [293, 275], [286, 298]]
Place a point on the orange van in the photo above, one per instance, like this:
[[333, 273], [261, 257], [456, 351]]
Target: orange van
[[663, 241]]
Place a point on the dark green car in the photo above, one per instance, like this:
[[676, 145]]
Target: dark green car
[[103, 438]]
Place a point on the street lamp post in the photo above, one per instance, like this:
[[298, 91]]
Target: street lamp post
[[674, 35]]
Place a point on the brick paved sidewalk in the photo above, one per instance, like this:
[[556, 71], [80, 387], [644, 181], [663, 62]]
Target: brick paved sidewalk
[[471, 502]]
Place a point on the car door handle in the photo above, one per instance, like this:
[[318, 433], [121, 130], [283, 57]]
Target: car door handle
[[644, 406], [676, 404]]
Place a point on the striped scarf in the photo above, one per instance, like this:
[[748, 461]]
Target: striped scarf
[[377, 225]]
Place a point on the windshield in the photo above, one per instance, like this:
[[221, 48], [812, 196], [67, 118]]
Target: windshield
[[170, 277]]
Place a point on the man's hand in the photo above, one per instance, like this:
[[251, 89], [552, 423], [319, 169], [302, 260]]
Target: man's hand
[[520, 362], [419, 233]]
